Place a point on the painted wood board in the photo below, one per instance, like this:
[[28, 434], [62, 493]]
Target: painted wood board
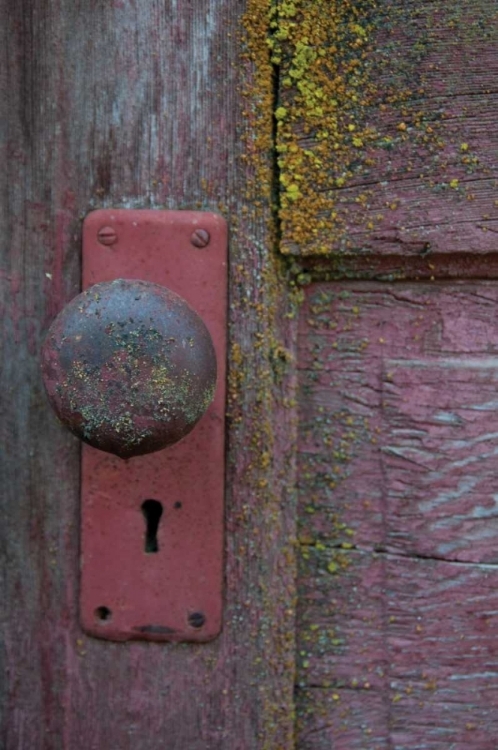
[[137, 104], [397, 516], [385, 126], [397, 652]]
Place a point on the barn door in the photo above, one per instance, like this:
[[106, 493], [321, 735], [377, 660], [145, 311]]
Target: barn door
[[387, 160]]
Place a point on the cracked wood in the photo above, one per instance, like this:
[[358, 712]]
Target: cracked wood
[[386, 134], [398, 517]]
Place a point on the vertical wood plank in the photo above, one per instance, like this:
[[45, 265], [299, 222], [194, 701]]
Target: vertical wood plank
[[145, 105]]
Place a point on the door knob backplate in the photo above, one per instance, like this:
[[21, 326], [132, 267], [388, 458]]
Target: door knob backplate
[[152, 525]]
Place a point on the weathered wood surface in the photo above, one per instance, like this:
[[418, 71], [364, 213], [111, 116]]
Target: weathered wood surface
[[137, 104], [398, 522], [160, 105], [413, 661], [386, 133]]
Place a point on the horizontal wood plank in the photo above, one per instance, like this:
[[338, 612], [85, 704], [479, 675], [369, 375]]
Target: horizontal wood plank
[[439, 453], [386, 133]]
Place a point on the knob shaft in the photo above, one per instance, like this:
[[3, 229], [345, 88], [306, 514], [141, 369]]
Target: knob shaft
[[129, 367]]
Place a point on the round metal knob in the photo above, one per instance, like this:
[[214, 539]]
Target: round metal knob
[[129, 367]]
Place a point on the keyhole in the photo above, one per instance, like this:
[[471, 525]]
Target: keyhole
[[152, 510]]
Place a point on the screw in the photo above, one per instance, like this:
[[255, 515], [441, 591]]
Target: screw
[[196, 619], [107, 236], [200, 238]]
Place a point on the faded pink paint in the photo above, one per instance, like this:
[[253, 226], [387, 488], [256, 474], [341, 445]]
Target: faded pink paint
[[170, 135], [399, 493], [63, 223]]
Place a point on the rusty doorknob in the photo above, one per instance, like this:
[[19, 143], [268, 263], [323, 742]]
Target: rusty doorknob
[[129, 367]]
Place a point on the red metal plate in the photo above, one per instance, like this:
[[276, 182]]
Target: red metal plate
[[174, 593]]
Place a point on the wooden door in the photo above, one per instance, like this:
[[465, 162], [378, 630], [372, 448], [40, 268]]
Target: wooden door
[[352, 149]]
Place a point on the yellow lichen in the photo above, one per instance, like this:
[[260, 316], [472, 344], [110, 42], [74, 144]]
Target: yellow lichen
[[343, 113]]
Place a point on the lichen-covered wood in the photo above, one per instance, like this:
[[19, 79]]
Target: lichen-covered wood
[[398, 522], [385, 134]]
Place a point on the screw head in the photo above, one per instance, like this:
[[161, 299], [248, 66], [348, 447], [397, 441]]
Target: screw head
[[200, 238], [107, 236], [196, 619]]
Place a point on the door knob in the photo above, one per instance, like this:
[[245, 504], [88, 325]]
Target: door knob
[[129, 367]]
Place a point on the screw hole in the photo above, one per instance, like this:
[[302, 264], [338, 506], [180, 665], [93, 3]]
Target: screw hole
[[103, 614], [196, 619]]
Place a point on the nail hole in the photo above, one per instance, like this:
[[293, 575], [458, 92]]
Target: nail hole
[[103, 614], [152, 510], [177, 504]]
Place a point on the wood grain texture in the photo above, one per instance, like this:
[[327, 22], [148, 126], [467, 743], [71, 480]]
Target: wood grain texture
[[398, 527], [137, 104], [385, 126], [397, 653]]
